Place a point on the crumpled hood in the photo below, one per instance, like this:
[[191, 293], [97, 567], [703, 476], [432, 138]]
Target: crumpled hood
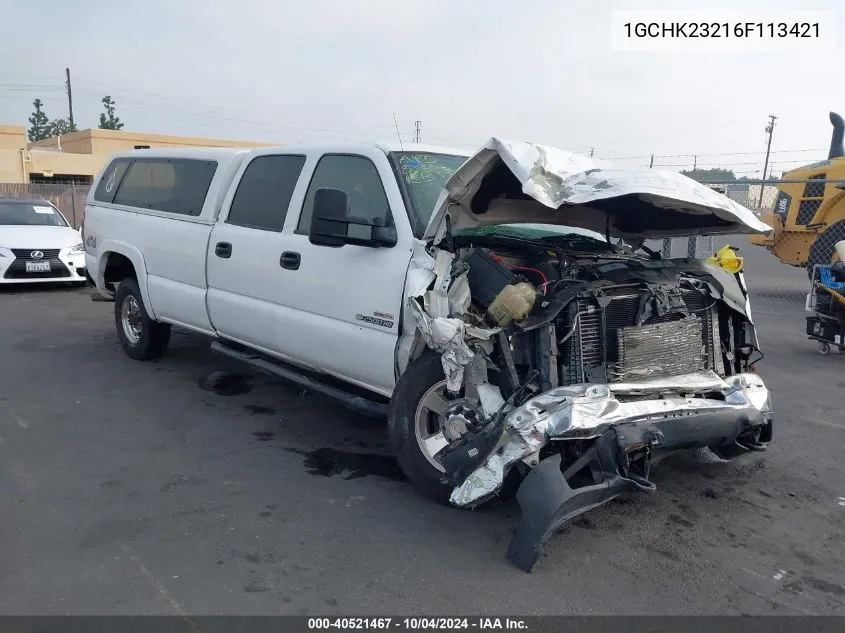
[[35, 237], [518, 182]]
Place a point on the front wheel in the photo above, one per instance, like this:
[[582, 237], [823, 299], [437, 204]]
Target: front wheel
[[415, 418], [141, 337]]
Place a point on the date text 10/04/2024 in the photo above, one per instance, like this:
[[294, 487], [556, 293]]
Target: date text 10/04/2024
[[417, 624], [721, 29]]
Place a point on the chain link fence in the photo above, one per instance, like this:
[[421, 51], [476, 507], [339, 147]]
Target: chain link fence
[[808, 218], [69, 198]]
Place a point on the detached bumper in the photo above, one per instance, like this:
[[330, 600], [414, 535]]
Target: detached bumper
[[619, 462], [631, 425]]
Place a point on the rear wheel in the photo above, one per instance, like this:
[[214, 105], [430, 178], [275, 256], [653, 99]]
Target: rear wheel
[[823, 249], [141, 337]]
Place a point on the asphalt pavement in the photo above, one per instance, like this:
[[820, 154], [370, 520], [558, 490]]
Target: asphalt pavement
[[169, 488]]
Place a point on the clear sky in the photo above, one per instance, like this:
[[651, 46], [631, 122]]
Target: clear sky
[[308, 71]]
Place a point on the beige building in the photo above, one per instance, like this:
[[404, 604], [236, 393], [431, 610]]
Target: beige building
[[77, 157]]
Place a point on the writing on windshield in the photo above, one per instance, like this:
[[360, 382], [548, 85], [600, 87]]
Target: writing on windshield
[[424, 174]]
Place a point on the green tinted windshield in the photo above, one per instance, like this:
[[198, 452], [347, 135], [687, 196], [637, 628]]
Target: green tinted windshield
[[423, 176]]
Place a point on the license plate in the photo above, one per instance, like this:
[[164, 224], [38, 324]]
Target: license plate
[[37, 267]]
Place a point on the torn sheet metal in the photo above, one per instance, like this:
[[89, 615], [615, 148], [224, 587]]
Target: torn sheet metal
[[459, 296], [574, 190], [435, 302], [419, 277], [449, 336], [735, 294], [585, 411]]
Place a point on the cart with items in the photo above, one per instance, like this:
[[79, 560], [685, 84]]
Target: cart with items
[[826, 303]]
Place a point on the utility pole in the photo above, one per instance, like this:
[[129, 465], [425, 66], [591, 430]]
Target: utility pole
[[651, 162], [69, 98], [417, 125], [694, 162], [592, 149], [769, 129]]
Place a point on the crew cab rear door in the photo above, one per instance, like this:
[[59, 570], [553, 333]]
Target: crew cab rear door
[[331, 309]]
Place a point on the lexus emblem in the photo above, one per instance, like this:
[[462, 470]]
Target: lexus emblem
[[36, 254]]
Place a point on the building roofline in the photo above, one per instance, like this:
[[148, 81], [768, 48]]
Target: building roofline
[[97, 133]]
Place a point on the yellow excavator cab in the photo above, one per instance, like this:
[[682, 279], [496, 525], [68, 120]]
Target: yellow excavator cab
[[808, 218], [727, 258]]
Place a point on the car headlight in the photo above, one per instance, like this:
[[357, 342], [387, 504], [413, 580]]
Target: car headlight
[[79, 248], [5, 252]]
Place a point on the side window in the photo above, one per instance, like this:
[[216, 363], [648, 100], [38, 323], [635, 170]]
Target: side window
[[264, 192], [358, 177], [110, 181], [174, 185], [811, 200]]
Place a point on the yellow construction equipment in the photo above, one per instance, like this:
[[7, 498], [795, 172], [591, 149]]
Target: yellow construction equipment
[[809, 217]]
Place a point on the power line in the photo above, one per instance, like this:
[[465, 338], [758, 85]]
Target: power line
[[691, 155], [13, 88], [728, 164], [188, 106], [192, 111]]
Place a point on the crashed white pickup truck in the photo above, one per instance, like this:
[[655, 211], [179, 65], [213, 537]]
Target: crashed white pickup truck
[[502, 309]]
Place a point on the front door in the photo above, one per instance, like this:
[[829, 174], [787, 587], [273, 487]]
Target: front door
[[334, 309], [351, 296]]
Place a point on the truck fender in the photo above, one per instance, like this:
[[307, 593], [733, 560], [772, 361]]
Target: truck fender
[[133, 255]]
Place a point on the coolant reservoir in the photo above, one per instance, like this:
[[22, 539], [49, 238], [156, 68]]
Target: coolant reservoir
[[513, 303], [840, 250]]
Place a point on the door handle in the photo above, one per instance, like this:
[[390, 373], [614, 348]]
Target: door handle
[[223, 249], [290, 260]]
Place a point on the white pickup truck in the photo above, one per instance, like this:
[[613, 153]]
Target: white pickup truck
[[501, 308]]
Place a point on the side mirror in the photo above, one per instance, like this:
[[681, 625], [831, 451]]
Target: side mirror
[[331, 224]]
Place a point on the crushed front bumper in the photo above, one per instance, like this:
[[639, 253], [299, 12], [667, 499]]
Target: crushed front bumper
[[627, 427]]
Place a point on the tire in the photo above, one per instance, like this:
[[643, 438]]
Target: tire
[[823, 249], [141, 337], [419, 379]]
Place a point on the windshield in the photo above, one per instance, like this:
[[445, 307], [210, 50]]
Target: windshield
[[423, 175], [534, 232], [29, 214]]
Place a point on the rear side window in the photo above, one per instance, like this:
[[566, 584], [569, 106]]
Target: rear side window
[[173, 185], [110, 181], [264, 192]]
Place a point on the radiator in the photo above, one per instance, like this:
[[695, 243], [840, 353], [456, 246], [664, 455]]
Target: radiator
[[587, 348], [659, 349]]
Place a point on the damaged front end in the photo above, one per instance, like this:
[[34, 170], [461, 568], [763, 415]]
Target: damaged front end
[[578, 362]]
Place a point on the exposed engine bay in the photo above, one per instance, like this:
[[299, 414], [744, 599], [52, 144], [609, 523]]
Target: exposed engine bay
[[561, 344], [572, 359], [602, 317]]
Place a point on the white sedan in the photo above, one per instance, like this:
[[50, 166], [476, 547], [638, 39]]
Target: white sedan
[[37, 244]]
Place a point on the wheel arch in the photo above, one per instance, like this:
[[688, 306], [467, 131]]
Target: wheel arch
[[832, 209], [119, 255]]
